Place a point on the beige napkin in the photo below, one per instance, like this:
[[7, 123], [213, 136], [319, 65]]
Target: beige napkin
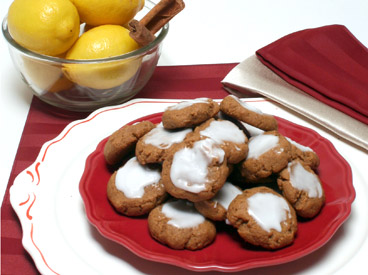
[[252, 76]]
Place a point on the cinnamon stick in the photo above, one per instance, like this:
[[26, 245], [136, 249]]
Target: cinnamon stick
[[143, 31], [140, 33]]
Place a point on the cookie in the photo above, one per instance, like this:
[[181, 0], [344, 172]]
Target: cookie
[[263, 218], [195, 169], [302, 188], [123, 141], [152, 147], [178, 225], [304, 153], [225, 133], [134, 189], [189, 113], [234, 107], [268, 153], [216, 208]]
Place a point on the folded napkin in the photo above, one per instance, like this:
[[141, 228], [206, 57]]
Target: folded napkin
[[328, 63], [320, 73]]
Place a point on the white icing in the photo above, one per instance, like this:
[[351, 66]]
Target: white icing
[[184, 104], [253, 131], [163, 139], [224, 130], [226, 195], [132, 178], [299, 146], [247, 106], [260, 144], [302, 179], [268, 210], [189, 167], [182, 214]]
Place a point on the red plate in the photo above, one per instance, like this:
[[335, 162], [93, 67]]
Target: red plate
[[228, 252]]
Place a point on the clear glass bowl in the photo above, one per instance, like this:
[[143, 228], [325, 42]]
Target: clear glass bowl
[[86, 85]]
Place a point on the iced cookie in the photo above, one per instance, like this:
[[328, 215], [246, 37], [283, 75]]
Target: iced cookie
[[152, 147], [178, 225], [226, 134], [134, 189], [268, 153], [122, 141], [234, 107], [304, 153], [216, 208], [263, 218], [195, 169], [189, 113], [302, 188]]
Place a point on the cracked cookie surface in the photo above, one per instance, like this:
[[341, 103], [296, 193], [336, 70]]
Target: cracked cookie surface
[[134, 189], [268, 153], [178, 225], [263, 218], [302, 188]]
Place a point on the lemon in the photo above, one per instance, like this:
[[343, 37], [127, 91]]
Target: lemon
[[102, 42], [100, 12], [43, 76], [48, 27]]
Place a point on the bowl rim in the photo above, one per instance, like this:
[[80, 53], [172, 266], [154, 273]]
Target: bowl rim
[[52, 59]]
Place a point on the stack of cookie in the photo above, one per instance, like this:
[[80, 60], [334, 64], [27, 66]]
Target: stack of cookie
[[208, 163]]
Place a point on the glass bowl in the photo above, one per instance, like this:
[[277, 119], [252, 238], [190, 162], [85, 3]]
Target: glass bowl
[[86, 85]]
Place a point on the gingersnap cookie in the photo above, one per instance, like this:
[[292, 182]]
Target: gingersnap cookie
[[302, 188], [268, 153], [216, 208], [152, 147], [304, 153], [189, 113], [195, 169], [234, 107], [134, 189], [225, 133], [263, 218], [178, 225], [122, 141]]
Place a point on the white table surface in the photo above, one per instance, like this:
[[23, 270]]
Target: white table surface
[[206, 32]]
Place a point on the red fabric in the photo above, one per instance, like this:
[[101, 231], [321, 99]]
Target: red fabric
[[328, 63], [45, 123]]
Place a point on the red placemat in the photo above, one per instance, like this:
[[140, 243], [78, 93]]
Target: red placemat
[[45, 123]]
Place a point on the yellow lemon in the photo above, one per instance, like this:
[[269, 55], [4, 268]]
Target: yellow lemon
[[100, 12], [44, 77], [48, 27], [102, 42]]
